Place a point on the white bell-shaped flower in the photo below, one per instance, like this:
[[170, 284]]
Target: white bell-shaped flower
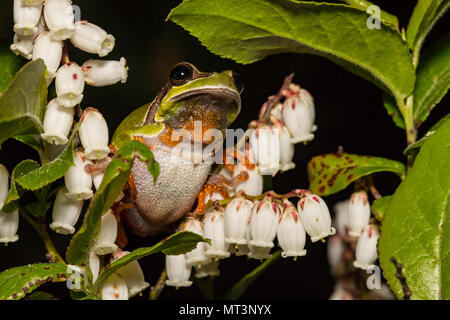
[[100, 73], [9, 224], [26, 18], [78, 181], [254, 252], [49, 50], [335, 252], [94, 265], [265, 144], [315, 217], [298, 115], [58, 121], [32, 2], [105, 242], [94, 134], [4, 184], [236, 216], [178, 271], [92, 39], [209, 270], [60, 18], [132, 274], [263, 223], [341, 218], [213, 227], [253, 186], [197, 256], [97, 179], [291, 234], [366, 248], [65, 213], [23, 45], [69, 85], [286, 150], [114, 288], [358, 212]]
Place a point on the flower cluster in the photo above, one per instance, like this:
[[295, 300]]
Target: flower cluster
[[245, 227]]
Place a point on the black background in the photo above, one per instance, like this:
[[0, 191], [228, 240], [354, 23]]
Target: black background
[[349, 114]]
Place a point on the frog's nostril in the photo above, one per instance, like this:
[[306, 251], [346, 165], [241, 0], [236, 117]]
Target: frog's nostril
[[238, 82]]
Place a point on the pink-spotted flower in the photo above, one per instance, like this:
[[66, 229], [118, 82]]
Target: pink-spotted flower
[[366, 247], [358, 212], [58, 121], [265, 145], [315, 217], [290, 234], [263, 223], [100, 73], [92, 39], [236, 216], [213, 227], [69, 85], [114, 288]]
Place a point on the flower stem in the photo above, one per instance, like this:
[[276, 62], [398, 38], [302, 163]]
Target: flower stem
[[159, 286], [406, 110]]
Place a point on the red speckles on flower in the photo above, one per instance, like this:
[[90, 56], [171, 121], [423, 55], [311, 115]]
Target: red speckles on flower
[[75, 76], [316, 199]]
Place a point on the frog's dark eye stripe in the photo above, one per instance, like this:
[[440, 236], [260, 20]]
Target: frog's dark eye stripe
[[238, 82], [180, 74]]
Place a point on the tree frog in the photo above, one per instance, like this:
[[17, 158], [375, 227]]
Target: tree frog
[[189, 97]]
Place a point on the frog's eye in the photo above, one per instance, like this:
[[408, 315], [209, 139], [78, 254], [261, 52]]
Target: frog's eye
[[180, 75], [238, 82]]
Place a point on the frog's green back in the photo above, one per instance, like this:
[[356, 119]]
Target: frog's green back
[[133, 120]]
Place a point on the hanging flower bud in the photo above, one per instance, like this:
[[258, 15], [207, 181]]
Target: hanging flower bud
[[23, 45], [26, 18], [263, 223], [236, 216], [197, 256], [253, 186], [358, 212], [114, 288], [69, 85], [94, 265], [213, 227], [209, 270], [33, 2], [9, 224], [366, 248], [286, 151], [132, 274], [315, 217], [178, 271], [65, 213], [49, 50], [291, 234], [92, 39], [57, 123], [335, 251], [4, 184], [341, 217], [78, 181], [299, 114], [99, 73], [265, 144], [105, 242], [94, 134], [60, 18]]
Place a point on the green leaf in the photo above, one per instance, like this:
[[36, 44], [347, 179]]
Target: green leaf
[[32, 140], [425, 15], [22, 104], [237, 290], [15, 283], [116, 176], [248, 31], [331, 173], [51, 171], [391, 107], [40, 295], [43, 202], [385, 17], [9, 65], [178, 243], [416, 227], [433, 78], [14, 194], [379, 207]]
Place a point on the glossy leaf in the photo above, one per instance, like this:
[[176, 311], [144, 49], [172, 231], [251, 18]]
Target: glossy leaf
[[237, 290], [433, 78], [379, 207], [32, 140], [15, 283], [22, 104], [51, 171], [15, 192], [416, 227], [116, 176], [9, 65], [248, 31], [178, 243], [331, 173], [392, 109]]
